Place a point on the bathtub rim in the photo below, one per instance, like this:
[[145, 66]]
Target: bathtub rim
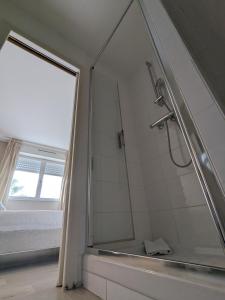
[[177, 264]]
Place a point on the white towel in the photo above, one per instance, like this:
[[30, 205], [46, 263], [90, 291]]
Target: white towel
[[157, 247]]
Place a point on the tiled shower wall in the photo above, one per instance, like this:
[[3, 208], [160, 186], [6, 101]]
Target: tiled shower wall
[[112, 195], [140, 209], [112, 209], [176, 205]]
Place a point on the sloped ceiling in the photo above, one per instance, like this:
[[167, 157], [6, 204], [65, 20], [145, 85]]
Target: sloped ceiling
[[87, 23], [201, 24]]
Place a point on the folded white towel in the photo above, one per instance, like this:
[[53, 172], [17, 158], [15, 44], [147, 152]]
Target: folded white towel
[[157, 247]]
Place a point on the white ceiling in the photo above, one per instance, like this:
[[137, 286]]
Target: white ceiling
[[36, 99], [88, 23]]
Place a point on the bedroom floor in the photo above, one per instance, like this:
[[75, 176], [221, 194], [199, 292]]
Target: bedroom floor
[[37, 282]]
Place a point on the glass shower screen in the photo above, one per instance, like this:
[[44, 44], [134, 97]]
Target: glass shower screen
[[110, 195]]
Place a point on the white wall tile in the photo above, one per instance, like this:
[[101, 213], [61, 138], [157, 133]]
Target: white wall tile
[[132, 154], [163, 226], [158, 196], [176, 193], [105, 119], [105, 145], [196, 227], [153, 169], [111, 197], [135, 174], [147, 148], [142, 225], [138, 199], [181, 156], [110, 169], [192, 189], [112, 226], [186, 191], [95, 284]]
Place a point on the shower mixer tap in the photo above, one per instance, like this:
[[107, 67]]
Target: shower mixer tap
[[163, 121], [160, 123]]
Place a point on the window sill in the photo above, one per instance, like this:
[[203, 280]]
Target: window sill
[[33, 199]]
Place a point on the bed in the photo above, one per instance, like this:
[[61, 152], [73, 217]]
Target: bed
[[29, 230]]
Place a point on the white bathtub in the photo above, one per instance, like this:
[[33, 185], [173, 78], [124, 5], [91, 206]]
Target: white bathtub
[[29, 230], [135, 278]]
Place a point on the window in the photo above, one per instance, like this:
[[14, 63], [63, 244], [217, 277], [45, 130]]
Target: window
[[36, 179]]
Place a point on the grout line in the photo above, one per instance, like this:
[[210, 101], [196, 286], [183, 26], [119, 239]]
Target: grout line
[[178, 208]]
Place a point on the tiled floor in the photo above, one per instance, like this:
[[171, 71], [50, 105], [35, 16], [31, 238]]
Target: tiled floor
[[37, 282]]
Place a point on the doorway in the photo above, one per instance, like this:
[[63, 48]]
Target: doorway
[[38, 92]]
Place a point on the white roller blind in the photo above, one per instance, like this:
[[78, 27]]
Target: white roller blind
[[54, 169], [28, 164]]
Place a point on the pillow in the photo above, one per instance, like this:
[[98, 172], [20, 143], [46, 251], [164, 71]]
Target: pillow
[[2, 207]]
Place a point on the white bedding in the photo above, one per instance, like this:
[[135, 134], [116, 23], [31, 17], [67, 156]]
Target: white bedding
[[29, 230], [14, 220]]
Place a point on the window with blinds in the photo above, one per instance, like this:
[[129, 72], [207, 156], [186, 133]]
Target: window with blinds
[[36, 179]]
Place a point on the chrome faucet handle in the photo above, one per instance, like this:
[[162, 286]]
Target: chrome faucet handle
[[160, 101], [160, 123]]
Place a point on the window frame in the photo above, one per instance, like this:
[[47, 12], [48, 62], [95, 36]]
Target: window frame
[[41, 174]]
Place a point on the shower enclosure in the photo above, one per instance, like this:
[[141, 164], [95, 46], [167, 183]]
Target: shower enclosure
[[149, 174]]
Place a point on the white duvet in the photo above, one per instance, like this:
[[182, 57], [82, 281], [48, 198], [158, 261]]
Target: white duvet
[[14, 220], [29, 230]]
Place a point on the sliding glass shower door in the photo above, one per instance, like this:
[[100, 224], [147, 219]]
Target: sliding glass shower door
[[110, 195]]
